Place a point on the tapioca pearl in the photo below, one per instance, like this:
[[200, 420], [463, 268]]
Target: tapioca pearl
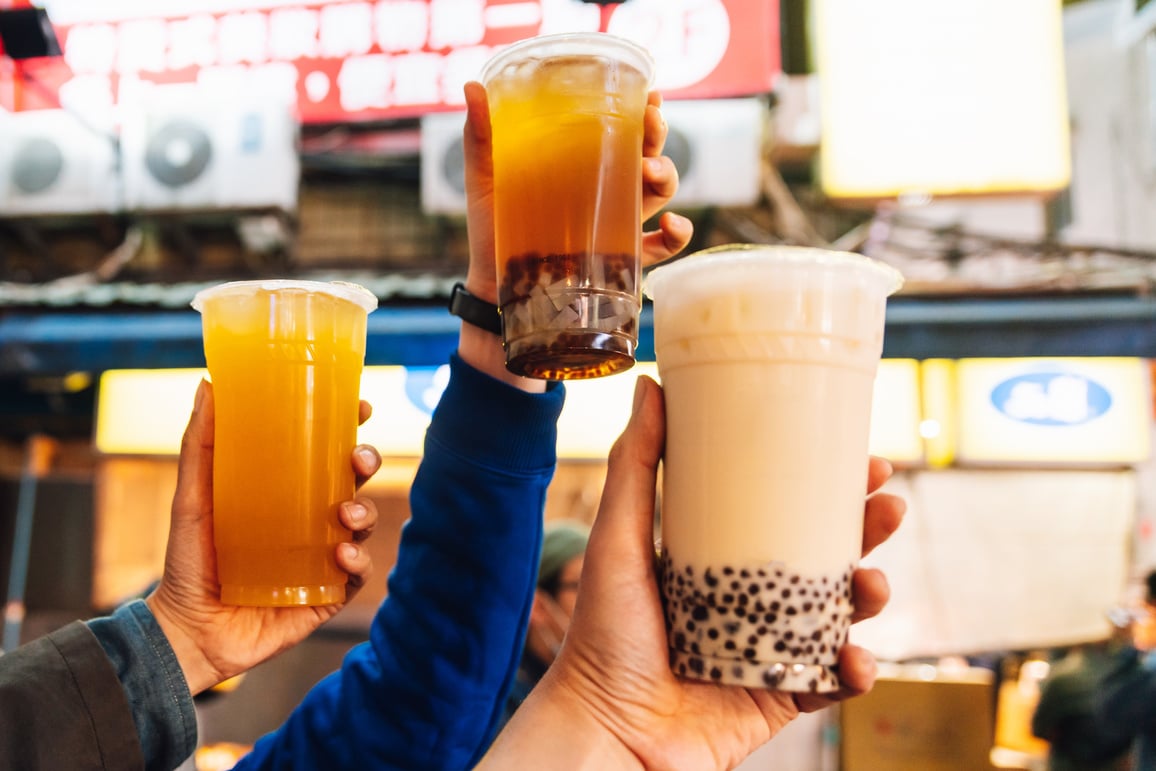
[[786, 595], [753, 618], [753, 589], [807, 606], [728, 599], [696, 665], [690, 625], [700, 613], [728, 571], [735, 586], [750, 653], [710, 579], [679, 640], [729, 645], [776, 606], [753, 639], [788, 635], [715, 673], [780, 646], [731, 627], [790, 611], [770, 618], [712, 633]]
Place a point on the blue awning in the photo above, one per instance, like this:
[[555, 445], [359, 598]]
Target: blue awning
[[50, 341]]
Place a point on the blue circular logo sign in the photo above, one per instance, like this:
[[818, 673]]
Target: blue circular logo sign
[[1051, 398], [424, 386]]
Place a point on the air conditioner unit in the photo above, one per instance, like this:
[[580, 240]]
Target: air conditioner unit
[[443, 165], [53, 162], [188, 150], [716, 145]]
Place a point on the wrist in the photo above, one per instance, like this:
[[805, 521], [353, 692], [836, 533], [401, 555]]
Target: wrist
[[199, 672], [482, 349], [556, 729]]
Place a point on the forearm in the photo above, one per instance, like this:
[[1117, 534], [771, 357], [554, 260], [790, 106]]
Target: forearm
[[61, 706], [160, 700], [553, 731]]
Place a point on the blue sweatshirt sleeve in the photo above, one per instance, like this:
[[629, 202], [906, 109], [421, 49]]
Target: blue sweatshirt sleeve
[[426, 691]]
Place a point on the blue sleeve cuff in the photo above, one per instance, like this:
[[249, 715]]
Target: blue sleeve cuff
[[162, 707], [526, 449]]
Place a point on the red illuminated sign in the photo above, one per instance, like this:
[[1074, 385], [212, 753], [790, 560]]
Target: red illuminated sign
[[346, 60]]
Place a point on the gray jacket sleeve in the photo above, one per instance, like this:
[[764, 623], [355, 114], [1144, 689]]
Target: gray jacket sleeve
[[63, 707]]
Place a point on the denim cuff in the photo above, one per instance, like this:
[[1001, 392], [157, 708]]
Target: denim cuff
[[158, 695]]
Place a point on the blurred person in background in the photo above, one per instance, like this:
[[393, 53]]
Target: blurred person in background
[[559, 572]]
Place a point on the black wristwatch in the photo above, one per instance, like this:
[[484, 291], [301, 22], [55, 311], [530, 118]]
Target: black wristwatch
[[475, 311]]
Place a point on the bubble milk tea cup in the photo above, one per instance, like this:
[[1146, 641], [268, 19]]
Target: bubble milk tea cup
[[567, 119], [767, 357], [285, 358]]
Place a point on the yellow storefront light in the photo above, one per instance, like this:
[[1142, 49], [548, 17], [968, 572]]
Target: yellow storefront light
[[939, 428], [954, 97], [144, 412]]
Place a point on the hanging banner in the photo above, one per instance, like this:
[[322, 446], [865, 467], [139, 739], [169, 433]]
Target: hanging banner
[[354, 60]]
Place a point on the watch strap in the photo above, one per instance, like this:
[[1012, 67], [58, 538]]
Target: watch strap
[[474, 311]]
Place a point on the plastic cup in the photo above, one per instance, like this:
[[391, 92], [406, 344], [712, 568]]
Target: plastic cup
[[767, 356], [285, 358], [567, 118]]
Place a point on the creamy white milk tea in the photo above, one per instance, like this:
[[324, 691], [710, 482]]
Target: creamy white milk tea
[[767, 356]]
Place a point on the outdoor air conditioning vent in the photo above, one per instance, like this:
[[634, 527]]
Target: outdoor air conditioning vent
[[443, 164], [52, 163], [716, 145], [185, 149]]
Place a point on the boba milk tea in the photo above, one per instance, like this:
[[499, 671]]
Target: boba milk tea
[[767, 356]]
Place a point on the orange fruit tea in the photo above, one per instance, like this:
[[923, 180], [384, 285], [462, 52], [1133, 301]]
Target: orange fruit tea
[[567, 118], [285, 358]]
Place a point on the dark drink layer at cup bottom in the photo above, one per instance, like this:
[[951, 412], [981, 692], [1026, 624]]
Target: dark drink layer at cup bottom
[[569, 316], [756, 625]]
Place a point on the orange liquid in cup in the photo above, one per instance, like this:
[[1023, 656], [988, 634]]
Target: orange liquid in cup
[[285, 360], [567, 118]]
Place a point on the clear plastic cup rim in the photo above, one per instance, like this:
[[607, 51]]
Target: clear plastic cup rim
[[760, 255], [573, 44], [344, 290]]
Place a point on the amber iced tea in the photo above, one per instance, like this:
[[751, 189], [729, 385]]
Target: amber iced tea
[[285, 359], [567, 117]]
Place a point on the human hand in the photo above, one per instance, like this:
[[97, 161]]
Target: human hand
[[212, 641], [659, 184], [611, 698]]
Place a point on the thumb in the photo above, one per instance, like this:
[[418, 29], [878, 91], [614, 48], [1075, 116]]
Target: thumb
[[194, 494], [623, 533]]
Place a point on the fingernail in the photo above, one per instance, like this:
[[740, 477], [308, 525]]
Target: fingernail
[[653, 165], [639, 395], [349, 551], [367, 456], [357, 512], [200, 396]]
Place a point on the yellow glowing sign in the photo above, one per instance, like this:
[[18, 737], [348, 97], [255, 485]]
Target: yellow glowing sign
[[895, 412], [144, 412], [941, 98]]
